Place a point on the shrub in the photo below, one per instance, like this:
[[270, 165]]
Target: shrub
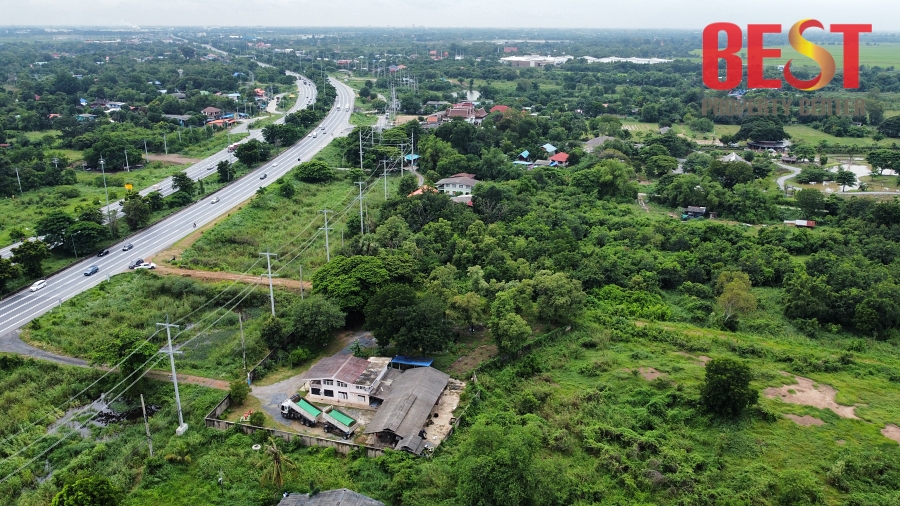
[[238, 389], [727, 391], [258, 419]]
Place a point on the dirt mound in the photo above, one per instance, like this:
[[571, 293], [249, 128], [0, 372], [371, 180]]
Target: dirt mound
[[805, 421], [807, 393], [891, 431]]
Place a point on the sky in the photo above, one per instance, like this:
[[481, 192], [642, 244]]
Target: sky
[[884, 15]]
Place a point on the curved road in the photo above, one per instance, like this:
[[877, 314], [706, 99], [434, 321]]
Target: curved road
[[783, 179], [22, 307]]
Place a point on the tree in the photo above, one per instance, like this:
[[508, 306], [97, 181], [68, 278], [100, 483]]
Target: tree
[[225, 170], [510, 332], [183, 183], [155, 201], [85, 235], [425, 329], [286, 189], [350, 281], [137, 212], [697, 162], [729, 174], [610, 179], [880, 309], [726, 391], [845, 178], [180, 199], [275, 464], [238, 390], [314, 319], [761, 128], [735, 297], [810, 201], [88, 212], [384, 315], [650, 113], [252, 152], [125, 345], [90, 491], [29, 256], [805, 152], [559, 298], [408, 184], [8, 271], [54, 228], [314, 171], [257, 419], [469, 308], [890, 127], [660, 165], [273, 333]]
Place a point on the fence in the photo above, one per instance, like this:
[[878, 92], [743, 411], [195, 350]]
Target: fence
[[265, 360], [343, 447]]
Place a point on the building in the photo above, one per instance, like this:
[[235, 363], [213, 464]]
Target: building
[[510, 49], [212, 112], [408, 403], [779, 146], [457, 184], [561, 159], [85, 117], [345, 378], [339, 497], [499, 108], [596, 142], [533, 60], [732, 157], [615, 59], [695, 212]]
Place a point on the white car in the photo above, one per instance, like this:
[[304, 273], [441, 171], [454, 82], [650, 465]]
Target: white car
[[275, 164], [38, 285], [146, 265], [214, 200]]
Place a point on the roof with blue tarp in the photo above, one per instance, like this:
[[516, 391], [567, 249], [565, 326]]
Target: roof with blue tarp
[[549, 147], [524, 154], [412, 157], [413, 361], [520, 162]]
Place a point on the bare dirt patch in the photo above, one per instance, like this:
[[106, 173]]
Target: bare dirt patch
[[649, 373], [805, 392], [891, 431], [840, 442], [173, 158], [805, 420], [471, 360], [702, 359], [290, 284], [438, 427]]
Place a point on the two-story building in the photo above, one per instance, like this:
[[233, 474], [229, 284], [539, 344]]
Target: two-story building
[[212, 112], [457, 184], [345, 378]]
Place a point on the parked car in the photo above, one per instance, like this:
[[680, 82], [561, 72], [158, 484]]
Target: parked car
[[38, 285], [135, 263], [127, 247], [91, 270], [103, 253], [214, 200], [146, 265], [263, 176]]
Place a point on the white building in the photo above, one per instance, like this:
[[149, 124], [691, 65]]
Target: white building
[[533, 60], [457, 184], [345, 378], [615, 59]]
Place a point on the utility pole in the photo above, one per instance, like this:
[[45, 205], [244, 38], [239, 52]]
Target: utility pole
[[243, 352], [326, 229], [166, 145], [147, 426], [126, 161], [360, 184], [269, 266], [360, 150], [384, 166], [301, 281], [146, 154], [182, 427], [19, 180]]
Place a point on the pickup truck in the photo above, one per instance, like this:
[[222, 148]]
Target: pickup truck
[[297, 408]]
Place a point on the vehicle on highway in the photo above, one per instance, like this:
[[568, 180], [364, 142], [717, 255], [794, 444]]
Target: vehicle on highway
[[91, 270], [146, 265], [315, 134], [339, 108], [323, 128], [127, 247], [135, 263], [275, 164], [38, 285], [263, 176], [103, 253], [214, 200]]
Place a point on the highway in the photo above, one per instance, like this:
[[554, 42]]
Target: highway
[[22, 307]]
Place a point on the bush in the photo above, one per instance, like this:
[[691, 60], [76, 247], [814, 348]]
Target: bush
[[727, 391], [258, 419], [238, 389]]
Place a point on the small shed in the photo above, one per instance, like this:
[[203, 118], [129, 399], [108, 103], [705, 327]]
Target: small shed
[[695, 211], [402, 362]]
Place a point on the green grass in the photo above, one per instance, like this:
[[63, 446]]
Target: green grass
[[883, 54], [803, 133], [332, 154], [289, 227], [363, 119]]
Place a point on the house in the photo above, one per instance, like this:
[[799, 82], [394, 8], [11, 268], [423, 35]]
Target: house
[[733, 157], [422, 189], [779, 146], [788, 159], [561, 159], [437, 103], [344, 378], [596, 142], [550, 148], [53, 116], [408, 403], [695, 212], [212, 112], [182, 119], [664, 130], [499, 108], [179, 95], [85, 117], [458, 184], [801, 223], [339, 497]]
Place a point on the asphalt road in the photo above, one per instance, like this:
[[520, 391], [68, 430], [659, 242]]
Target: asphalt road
[[22, 307]]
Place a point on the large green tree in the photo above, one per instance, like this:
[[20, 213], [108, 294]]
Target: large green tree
[[726, 391], [90, 491], [30, 255], [314, 319], [350, 281]]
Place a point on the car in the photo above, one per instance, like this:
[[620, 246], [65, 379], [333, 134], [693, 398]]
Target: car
[[210, 168], [103, 253], [38, 285], [323, 129], [214, 200], [127, 247], [91, 270], [135, 263], [309, 135], [146, 265], [275, 164], [264, 176]]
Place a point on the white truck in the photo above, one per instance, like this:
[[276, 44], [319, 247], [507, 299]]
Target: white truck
[[297, 408]]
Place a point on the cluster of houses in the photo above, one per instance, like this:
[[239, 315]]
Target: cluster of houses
[[467, 111]]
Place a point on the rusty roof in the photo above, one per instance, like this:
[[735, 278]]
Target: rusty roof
[[346, 368]]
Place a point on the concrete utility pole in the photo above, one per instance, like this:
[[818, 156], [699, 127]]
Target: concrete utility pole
[[166, 145], [146, 153], [127, 169], [147, 426], [182, 427], [384, 166], [360, 184], [301, 281], [360, 150], [243, 352], [326, 229], [269, 266], [19, 180]]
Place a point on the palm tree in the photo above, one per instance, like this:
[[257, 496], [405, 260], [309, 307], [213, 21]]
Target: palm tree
[[274, 472]]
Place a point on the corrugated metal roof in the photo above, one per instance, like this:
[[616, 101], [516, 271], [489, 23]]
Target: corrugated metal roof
[[339, 497], [346, 368], [408, 405], [416, 361]]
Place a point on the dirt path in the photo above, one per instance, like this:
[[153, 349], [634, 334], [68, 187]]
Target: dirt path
[[291, 284], [173, 158], [190, 380]]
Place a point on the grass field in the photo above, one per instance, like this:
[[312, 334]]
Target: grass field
[[289, 227], [883, 54], [803, 133]]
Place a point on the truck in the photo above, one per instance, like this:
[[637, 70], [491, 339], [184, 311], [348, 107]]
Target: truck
[[232, 147], [297, 408], [338, 422]]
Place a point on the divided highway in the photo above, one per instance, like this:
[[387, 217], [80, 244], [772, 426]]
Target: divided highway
[[21, 308]]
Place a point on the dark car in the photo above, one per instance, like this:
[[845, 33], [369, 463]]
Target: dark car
[[263, 176], [91, 270], [127, 247], [210, 168], [137, 262], [103, 253]]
